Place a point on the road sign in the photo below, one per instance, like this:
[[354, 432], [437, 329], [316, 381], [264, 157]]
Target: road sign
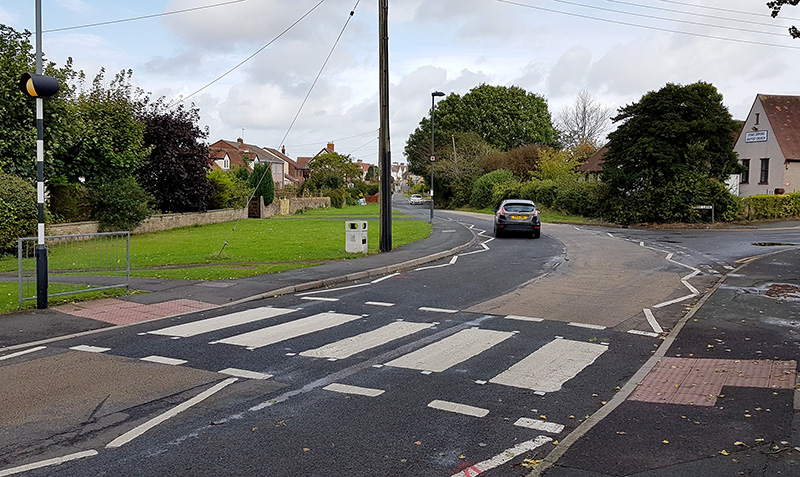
[[433, 158]]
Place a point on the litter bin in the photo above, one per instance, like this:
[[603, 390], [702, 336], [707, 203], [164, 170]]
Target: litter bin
[[355, 237]]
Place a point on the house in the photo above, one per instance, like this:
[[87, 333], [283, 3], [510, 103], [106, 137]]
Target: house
[[592, 169], [249, 155], [769, 146]]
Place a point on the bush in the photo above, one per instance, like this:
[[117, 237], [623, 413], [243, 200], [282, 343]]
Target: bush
[[19, 212], [482, 190], [581, 198], [261, 180], [228, 191], [771, 207], [541, 192], [119, 205], [69, 202], [338, 197]]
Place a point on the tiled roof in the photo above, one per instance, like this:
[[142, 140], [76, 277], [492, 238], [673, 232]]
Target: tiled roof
[[595, 161], [783, 114]]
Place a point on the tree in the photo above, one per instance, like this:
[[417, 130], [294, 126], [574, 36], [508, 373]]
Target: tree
[[456, 169], [261, 181], [583, 122], [18, 113], [776, 9], [504, 117], [331, 168], [372, 173], [672, 134], [175, 172], [104, 140]]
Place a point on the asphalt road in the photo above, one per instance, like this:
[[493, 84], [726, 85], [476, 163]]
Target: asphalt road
[[469, 365]]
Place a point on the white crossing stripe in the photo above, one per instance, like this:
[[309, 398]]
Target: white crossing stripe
[[451, 350], [539, 425], [164, 360], [586, 325], [346, 389], [437, 310], [90, 349], [503, 457], [524, 318], [23, 352], [643, 333], [550, 366], [243, 373], [458, 408], [292, 329], [672, 302], [378, 303], [221, 322], [319, 298], [48, 462], [356, 344]]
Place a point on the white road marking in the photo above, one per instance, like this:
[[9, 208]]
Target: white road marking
[[225, 321], [609, 234], [141, 429], [356, 344], [437, 310], [643, 333], [671, 302], [539, 425], [503, 457], [164, 360], [326, 290], [379, 303], [378, 280], [652, 320], [669, 256], [552, 365], [90, 349], [319, 298], [586, 325], [458, 408], [450, 351], [690, 287], [346, 389], [48, 462], [243, 373], [292, 329], [21, 353], [524, 318]]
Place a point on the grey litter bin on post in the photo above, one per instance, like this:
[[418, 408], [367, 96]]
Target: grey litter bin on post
[[355, 237]]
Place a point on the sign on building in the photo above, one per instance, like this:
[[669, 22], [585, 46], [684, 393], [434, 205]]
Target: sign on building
[[756, 136]]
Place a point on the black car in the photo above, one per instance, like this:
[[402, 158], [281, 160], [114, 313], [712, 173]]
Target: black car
[[517, 215]]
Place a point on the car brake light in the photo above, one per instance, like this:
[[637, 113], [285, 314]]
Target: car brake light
[[536, 212], [502, 211]]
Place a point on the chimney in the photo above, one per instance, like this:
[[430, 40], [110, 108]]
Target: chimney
[[240, 141], [330, 146], [283, 150]]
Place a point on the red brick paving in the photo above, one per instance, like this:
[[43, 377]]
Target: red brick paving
[[121, 312], [698, 381]]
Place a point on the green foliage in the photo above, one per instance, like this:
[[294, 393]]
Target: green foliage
[[228, 190], [771, 207], [675, 131], [482, 190], [338, 197], [329, 169], [175, 171], [776, 5], [120, 204], [19, 213], [504, 117], [261, 181], [556, 165], [581, 198], [69, 202], [372, 174]]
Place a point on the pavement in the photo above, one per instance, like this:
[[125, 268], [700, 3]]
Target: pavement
[[718, 397]]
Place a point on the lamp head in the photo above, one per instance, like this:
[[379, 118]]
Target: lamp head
[[437, 93]]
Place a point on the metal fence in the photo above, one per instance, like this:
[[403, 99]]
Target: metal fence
[[76, 263]]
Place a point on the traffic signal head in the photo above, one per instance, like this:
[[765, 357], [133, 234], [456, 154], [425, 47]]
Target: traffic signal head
[[38, 86]]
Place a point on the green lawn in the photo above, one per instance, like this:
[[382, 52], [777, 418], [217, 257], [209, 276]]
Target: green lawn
[[547, 215], [348, 211]]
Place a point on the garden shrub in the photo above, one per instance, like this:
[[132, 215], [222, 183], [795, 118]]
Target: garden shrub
[[228, 191], [771, 207], [69, 202], [261, 180], [482, 190], [19, 212], [119, 205]]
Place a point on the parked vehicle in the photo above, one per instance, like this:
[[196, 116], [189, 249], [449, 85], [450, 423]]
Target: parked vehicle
[[517, 215], [416, 199]]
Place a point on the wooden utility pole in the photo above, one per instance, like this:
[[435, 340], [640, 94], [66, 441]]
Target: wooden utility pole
[[384, 148]]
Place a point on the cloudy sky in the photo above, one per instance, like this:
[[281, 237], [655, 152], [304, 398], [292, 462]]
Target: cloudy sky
[[617, 50]]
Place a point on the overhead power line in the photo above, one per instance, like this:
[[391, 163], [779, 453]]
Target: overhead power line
[[144, 17], [637, 25], [720, 9], [703, 15]]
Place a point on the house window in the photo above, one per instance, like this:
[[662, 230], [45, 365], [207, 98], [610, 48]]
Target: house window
[[226, 163], [764, 178], [745, 179], [758, 115]]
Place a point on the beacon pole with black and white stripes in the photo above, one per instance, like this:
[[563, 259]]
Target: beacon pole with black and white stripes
[[39, 86]]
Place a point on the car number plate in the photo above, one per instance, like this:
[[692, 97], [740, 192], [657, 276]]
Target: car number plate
[[518, 217]]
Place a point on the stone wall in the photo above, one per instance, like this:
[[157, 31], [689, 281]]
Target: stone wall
[[161, 222]]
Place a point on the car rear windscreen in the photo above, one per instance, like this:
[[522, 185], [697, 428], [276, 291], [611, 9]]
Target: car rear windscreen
[[518, 208]]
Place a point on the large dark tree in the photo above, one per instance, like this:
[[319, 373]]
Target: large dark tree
[[675, 130], [176, 171], [776, 9], [671, 136], [504, 117]]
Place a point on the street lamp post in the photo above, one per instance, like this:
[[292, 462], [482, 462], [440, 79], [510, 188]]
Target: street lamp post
[[433, 158]]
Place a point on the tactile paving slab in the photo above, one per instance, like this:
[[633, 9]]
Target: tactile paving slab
[[121, 312]]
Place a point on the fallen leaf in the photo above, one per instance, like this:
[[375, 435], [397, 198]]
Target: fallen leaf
[[462, 456], [665, 442], [418, 443], [739, 443], [254, 429], [622, 433], [306, 449], [724, 452], [543, 417], [571, 416]]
